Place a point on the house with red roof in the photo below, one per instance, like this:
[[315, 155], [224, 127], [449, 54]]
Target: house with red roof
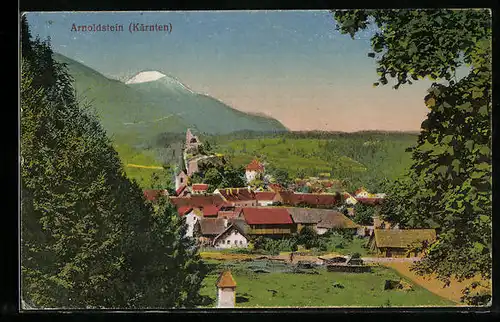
[[265, 198], [270, 221], [237, 197], [254, 170], [199, 188], [311, 200]]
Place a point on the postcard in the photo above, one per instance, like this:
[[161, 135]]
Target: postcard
[[210, 160]]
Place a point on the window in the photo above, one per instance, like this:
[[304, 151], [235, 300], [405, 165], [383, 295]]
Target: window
[[235, 242], [241, 243], [228, 242], [182, 180]]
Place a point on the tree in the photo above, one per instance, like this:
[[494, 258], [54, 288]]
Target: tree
[[86, 230], [363, 214], [449, 182]]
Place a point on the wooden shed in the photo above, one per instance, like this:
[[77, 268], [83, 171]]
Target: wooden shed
[[400, 242]]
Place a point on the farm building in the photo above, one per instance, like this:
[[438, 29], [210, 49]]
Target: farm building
[[254, 170], [303, 217], [271, 221], [237, 197], [206, 229], [265, 198], [336, 220], [312, 200], [197, 201], [400, 242], [232, 236]]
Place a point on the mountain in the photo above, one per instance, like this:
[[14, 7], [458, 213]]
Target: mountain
[[151, 103]]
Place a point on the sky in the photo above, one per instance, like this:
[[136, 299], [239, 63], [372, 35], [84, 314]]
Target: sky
[[290, 65]]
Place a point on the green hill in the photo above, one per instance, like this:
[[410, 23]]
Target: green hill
[[359, 159], [137, 113]]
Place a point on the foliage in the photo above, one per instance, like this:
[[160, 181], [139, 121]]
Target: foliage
[[221, 176], [363, 214], [308, 238], [274, 246], [449, 183], [88, 239]]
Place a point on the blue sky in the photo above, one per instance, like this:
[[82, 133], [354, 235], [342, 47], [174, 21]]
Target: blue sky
[[292, 65]]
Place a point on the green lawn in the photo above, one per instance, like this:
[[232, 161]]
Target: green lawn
[[300, 290]]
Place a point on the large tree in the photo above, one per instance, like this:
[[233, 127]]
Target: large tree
[[87, 233], [449, 183]]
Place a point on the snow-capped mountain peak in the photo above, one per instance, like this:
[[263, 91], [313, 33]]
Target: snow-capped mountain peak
[[146, 76]]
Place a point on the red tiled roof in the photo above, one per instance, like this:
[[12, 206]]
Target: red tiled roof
[[197, 201], [294, 199], [152, 195], [255, 165], [184, 210], [200, 187], [210, 210], [181, 188], [225, 280], [370, 201], [266, 215], [237, 194], [265, 195]]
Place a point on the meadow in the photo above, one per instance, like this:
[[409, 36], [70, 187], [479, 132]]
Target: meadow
[[279, 288]]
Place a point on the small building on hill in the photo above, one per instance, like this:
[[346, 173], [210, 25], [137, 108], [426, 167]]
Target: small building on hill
[[400, 242], [192, 141], [181, 180], [237, 197], [233, 236], [254, 170]]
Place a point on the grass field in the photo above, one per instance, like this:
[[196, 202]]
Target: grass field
[[278, 289]]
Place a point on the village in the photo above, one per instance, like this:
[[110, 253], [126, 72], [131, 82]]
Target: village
[[235, 217]]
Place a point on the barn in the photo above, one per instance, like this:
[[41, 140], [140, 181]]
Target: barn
[[400, 242]]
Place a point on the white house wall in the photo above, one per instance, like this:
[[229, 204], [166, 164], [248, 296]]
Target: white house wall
[[191, 220], [232, 239]]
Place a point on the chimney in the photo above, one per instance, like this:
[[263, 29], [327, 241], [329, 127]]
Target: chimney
[[226, 290]]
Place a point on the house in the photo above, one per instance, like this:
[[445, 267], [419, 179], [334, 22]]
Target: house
[[226, 290], [349, 199], [154, 194], [361, 193], [197, 201], [232, 236], [181, 180], [237, 197], [336, 220], [254, 170], [271, 221], [183, 191], [400, 242], [312, 200], [199, 188], [265, 198], [206, 229], [310, 217]]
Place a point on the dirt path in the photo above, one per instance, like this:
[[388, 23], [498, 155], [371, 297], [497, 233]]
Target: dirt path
[[453, 292]]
